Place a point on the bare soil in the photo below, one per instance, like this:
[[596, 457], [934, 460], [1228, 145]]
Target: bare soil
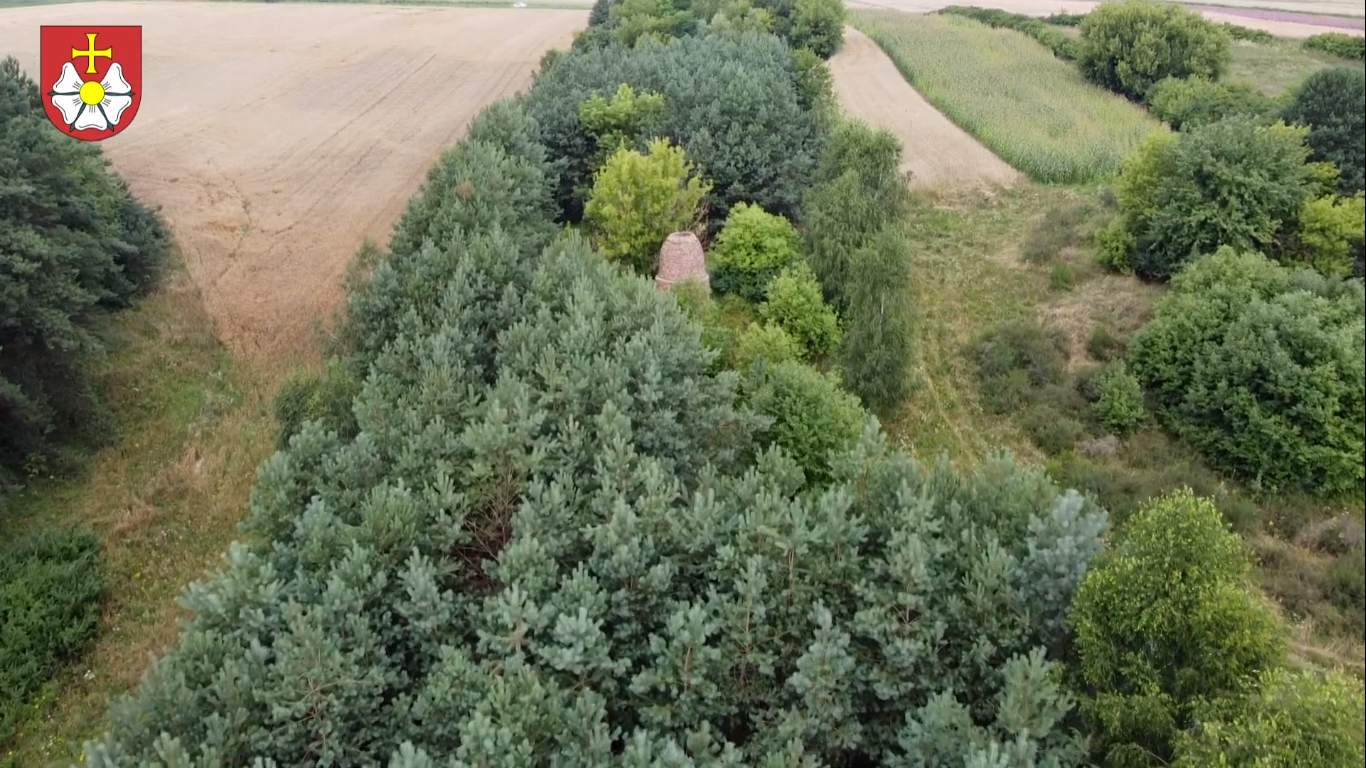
[[937, 152], [1304, 26], [277, 137]]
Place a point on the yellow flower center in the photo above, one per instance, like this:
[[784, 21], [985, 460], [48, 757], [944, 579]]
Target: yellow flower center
[[92, 93]]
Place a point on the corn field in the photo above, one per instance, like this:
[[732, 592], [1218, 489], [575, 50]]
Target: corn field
[[1030, 108]]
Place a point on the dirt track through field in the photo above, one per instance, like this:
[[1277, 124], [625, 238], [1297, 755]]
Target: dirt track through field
[[278, 137], [936, 152]]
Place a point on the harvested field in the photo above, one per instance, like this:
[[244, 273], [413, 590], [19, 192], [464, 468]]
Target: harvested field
[[277, 137], [1295, 21], [937, 152]]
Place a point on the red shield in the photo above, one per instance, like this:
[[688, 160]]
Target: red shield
[[91, 79]]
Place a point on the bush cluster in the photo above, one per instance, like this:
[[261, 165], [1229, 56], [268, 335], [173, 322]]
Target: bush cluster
[[751, 250], [794, 303], [1044, 31], [638, 200], [1165, 622], [732, 103], [1236, 182], [1332, 103], [1186, 103], [1130, 46], [1262, 370], [75, 245], [1338, 44], [51, 582]]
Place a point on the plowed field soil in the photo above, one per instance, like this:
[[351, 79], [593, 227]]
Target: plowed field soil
[[277, 137]]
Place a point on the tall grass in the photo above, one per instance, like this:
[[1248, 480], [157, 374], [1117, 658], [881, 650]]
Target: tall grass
[[1017, 98]]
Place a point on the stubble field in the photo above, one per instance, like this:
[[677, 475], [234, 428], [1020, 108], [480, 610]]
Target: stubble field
[[278, 137]]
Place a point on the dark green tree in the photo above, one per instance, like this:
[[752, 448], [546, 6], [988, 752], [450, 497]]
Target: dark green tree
[[1332, 103]]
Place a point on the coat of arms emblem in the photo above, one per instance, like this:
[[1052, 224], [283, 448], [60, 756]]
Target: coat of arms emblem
[[91, 78]]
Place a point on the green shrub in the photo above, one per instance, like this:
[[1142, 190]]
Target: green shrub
[[1129, 46], [767, 342], [752, 249], [1064, 19], [310, 395], [50, 587], [638, 200], [1347, 587], [1104, 345], [1119, 407], [1164, 622], [1337, 44], [1235, 182], [814, 419], [875, 352], [1332, 103], [620, 121], [75, 245], [1246, 34], [1292, 719], [815, 84], [1186, 103], [632, 20], [795, 304], [717, 335], [732, 103], [856, 193], [1261, 370], [1052, 430], [1062, 277], [1016, 358], [1330, 233], [818, 26]]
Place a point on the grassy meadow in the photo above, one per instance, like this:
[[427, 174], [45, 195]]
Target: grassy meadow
[[1276, 67], [1033, 110], [164, 498]]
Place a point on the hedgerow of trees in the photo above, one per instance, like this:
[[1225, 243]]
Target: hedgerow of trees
[[75, 247], [1130, 46]]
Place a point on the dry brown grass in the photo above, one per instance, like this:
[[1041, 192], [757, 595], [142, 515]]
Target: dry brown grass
[[1121, 303], [165, 500]]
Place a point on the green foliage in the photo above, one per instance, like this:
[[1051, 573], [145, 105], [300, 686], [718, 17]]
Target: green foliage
[[638, 200], [1062, 277], [751, 250], [1185, 103], [1235, 182], [1293, 719], [1332, 102], [50, 587], [1016, 357], [1034, 111], [717, 335], [632, 20], [617, 122], [732, 103], [1129, 46], [1119, 407], [1337, 44], [1165, 622], [1262, 371], [310, 395], [1247, 34], [75, 245], [875, 353], [767, 342], [1104, 345], [1331, 231], [814, 420], [856, 193], [1064, 19], [795, 304], [556, 538], [1060, 43], [734, 16], [818, 26], [815, 85]]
